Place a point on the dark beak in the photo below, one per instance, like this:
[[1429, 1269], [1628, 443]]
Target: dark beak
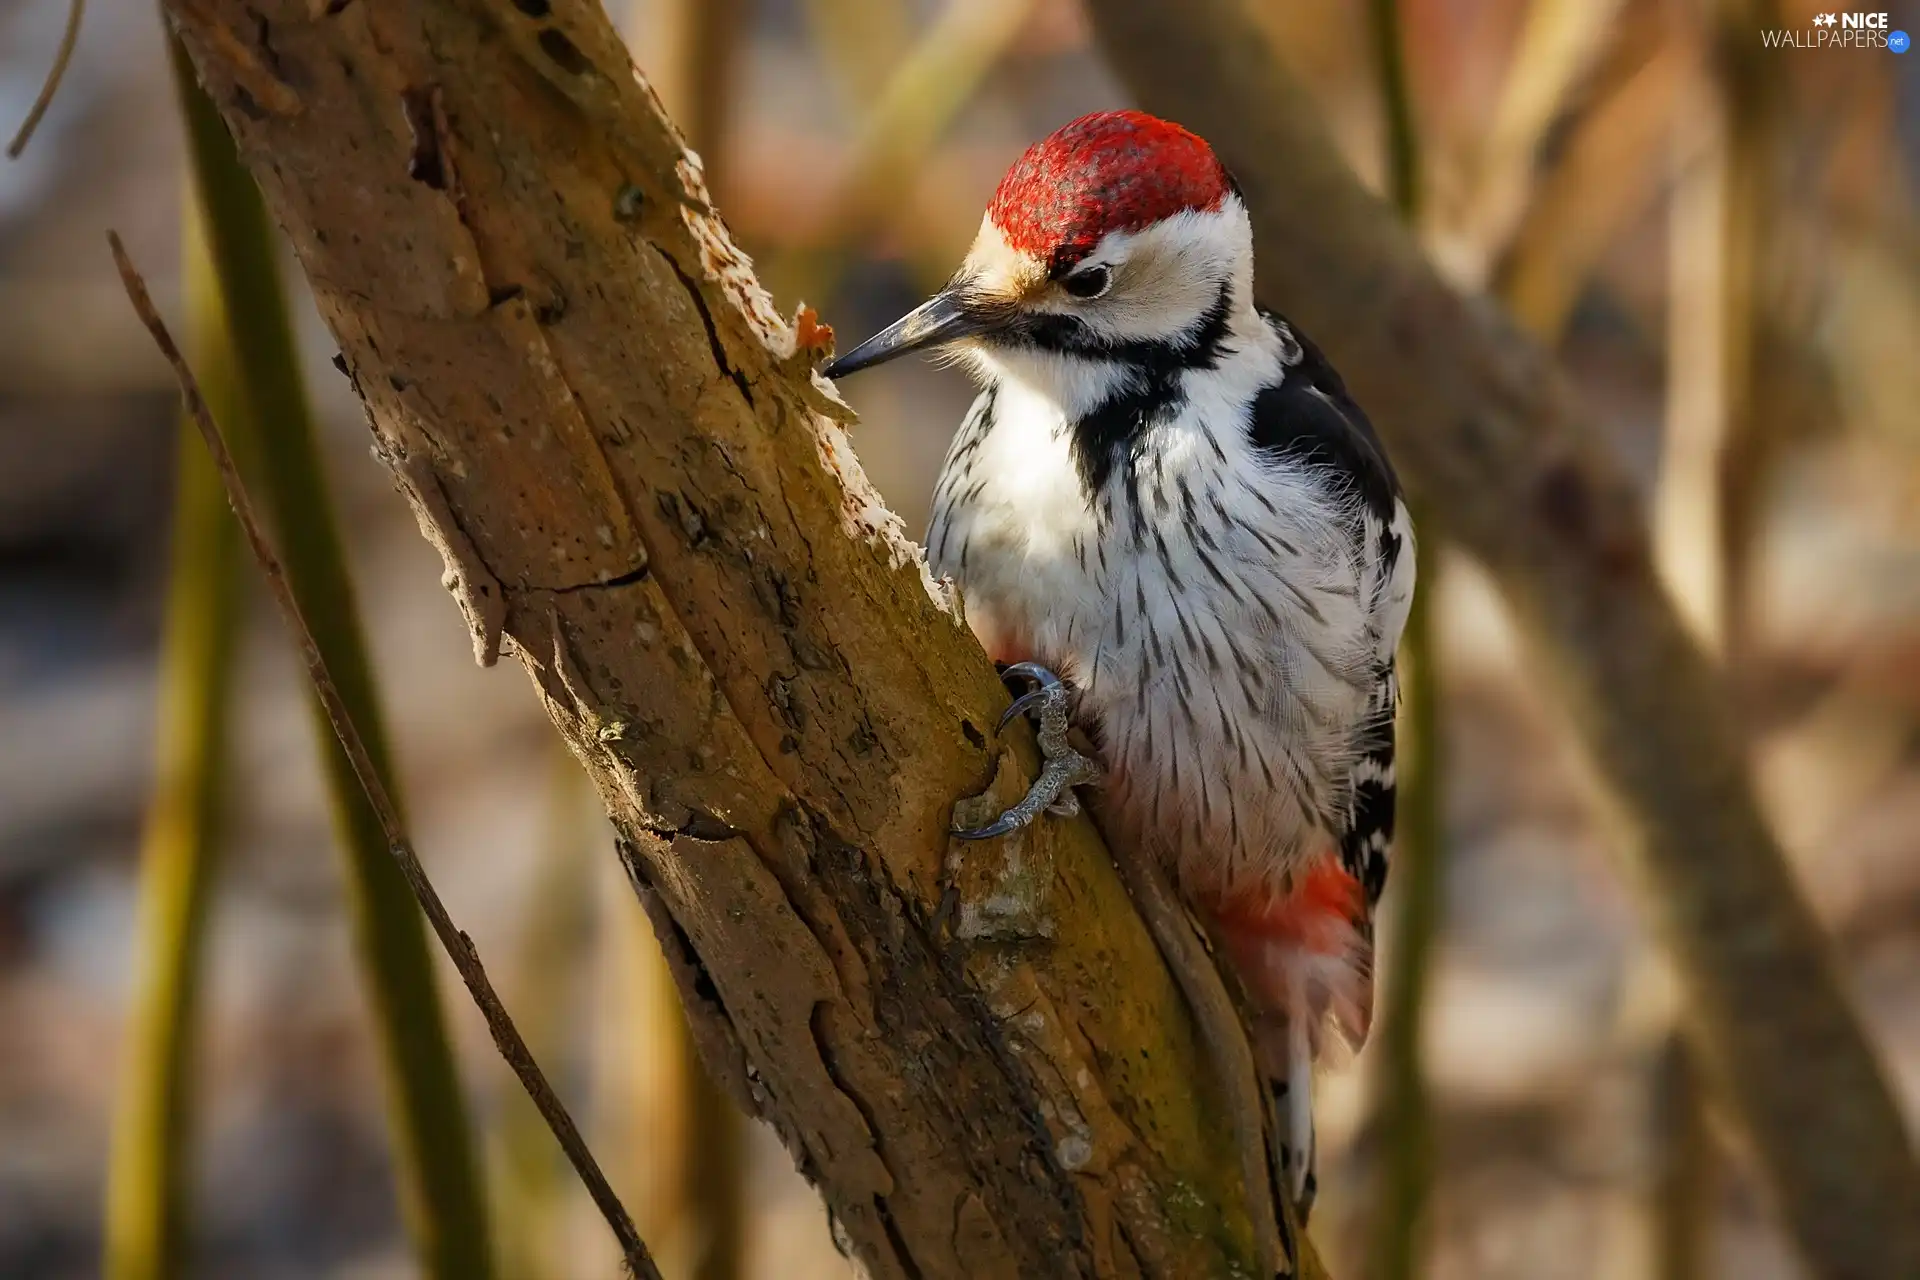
[[942, 318]]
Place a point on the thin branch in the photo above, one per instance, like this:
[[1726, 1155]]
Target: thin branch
[[713, 1155], [931, 83], [459, 947], [1560, 61], [76, 9], [1396, 99], [274, 439], [1606, 176], [532, 1209], [1404, 1110], [692, 54], [149, 1183]]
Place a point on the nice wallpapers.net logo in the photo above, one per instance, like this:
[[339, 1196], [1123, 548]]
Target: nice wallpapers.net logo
[[1840, 31]]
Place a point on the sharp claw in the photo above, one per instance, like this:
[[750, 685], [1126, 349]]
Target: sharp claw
[[1052, 791], [1005, 824], [1033, 671], [1020, 705]]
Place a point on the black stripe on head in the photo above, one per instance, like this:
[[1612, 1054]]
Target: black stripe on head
[[1198, 346]]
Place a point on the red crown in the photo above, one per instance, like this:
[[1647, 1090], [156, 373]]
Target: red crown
[[1114, 171]]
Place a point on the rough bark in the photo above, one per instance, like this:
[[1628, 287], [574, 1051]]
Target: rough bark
[[1496, 445], [642, 493]]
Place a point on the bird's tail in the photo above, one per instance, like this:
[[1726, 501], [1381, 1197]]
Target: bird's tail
[[1306, 959]]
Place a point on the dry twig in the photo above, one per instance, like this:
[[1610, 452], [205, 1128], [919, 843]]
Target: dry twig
[[76, 9]]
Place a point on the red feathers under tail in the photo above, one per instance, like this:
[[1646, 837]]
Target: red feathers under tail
[[1306, 958]]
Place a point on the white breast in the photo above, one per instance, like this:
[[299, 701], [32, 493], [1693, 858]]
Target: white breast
[[1216, 614]]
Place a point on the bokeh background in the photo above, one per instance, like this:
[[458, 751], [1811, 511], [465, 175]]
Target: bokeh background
[[1636, 178]]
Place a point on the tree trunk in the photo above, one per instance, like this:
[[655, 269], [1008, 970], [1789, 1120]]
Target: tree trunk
[[642, 493]]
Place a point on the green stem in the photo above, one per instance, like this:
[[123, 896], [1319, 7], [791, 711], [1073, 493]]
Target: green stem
[[556, 936], [1405, 1111], [1686, 1165], [439, 1174], [147, 1177], [714, 1164], [931, 82], [1396, 102]]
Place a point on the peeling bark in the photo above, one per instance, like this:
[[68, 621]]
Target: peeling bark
[[642, 493]]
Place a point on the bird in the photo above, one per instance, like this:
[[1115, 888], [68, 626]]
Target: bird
[[1166, 515]]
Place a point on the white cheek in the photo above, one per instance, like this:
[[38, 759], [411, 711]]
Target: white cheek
[[1167, 275], [1162, 302]]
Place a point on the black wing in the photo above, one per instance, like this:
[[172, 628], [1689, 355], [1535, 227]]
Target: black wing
[[1310, 417]]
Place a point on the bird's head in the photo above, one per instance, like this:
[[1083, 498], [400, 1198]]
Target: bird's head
[[1114, 231]]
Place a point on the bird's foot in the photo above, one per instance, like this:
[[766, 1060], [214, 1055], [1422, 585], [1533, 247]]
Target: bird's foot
[[1052, 792]]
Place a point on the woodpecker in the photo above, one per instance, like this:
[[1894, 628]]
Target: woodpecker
[[1167, 513]]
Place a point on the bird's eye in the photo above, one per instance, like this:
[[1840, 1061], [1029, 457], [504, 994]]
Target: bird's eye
[[1090, 283]]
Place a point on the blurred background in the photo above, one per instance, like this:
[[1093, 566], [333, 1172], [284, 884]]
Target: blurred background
[[1718, 241]]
